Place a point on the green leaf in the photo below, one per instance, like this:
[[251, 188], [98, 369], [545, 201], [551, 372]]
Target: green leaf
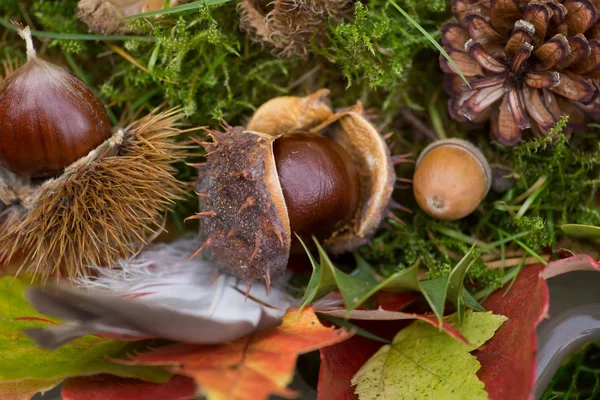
[[431, 39], [354, 290], [456, 282], [435, 291], [21, 359], [321, 281], [423, 362], [581, 231], [404, 281]]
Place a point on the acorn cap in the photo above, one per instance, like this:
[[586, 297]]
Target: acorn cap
[[485, 166]]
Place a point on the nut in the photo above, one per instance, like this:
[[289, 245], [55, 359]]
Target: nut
[[257, 189], [451, 178]]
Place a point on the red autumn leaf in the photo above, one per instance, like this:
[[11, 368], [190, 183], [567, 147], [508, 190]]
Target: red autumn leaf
[[109, 387], [339, 363], [251, 368], [508, 360]]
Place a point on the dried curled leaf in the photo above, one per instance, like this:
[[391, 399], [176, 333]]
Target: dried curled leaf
[[104, 16], [251, 368]]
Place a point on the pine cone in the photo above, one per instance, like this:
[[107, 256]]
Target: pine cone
[[527, 62]]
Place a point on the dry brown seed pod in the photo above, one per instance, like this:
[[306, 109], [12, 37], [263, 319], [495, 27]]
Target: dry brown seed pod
[[451, 178], [257, 188], [102, 207], [291, 113], [104, 16], [291, 27]]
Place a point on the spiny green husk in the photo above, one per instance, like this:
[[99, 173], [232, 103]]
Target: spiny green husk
[[104, 206]]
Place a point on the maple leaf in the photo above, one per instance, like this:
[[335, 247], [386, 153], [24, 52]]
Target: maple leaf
[[423, 362], [21, 359], [250, 368], [109, 387], [25, 389]]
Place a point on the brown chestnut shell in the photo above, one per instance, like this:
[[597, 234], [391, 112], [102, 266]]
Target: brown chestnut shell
[[244, 222]]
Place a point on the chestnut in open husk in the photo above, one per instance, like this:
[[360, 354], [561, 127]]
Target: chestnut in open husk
[[75, 193], [331, 179]]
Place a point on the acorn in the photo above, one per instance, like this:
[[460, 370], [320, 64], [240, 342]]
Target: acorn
[[76, 194], [49, 118], [257, 190], [451, 178]]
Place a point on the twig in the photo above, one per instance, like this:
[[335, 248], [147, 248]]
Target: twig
[[418, 124]]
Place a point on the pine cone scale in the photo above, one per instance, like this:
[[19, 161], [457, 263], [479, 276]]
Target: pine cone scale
[[528, 63]]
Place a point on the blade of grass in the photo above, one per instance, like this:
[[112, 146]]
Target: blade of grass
[[430, 38], [78, 36], [171, 10], [527, 203], [521, 244]]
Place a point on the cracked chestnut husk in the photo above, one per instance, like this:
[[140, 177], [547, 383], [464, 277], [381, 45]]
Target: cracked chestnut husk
[[75, 193], [316, 173]]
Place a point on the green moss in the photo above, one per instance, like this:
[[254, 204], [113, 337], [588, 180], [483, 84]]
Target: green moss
[[201, 60]]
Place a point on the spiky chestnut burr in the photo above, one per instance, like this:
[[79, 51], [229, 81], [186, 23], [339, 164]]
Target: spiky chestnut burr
[[103, 206], [257, 189], [291, 27]]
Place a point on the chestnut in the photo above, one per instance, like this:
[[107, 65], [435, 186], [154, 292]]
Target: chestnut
[[320, 187], [48, 118], [330, 177], [451, 178], [76, 194]]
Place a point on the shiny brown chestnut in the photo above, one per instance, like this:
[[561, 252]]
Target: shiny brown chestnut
[[320, 187], [330, 176], [48, 118]]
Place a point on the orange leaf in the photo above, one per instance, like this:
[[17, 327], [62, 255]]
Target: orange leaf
[[251, 368]]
